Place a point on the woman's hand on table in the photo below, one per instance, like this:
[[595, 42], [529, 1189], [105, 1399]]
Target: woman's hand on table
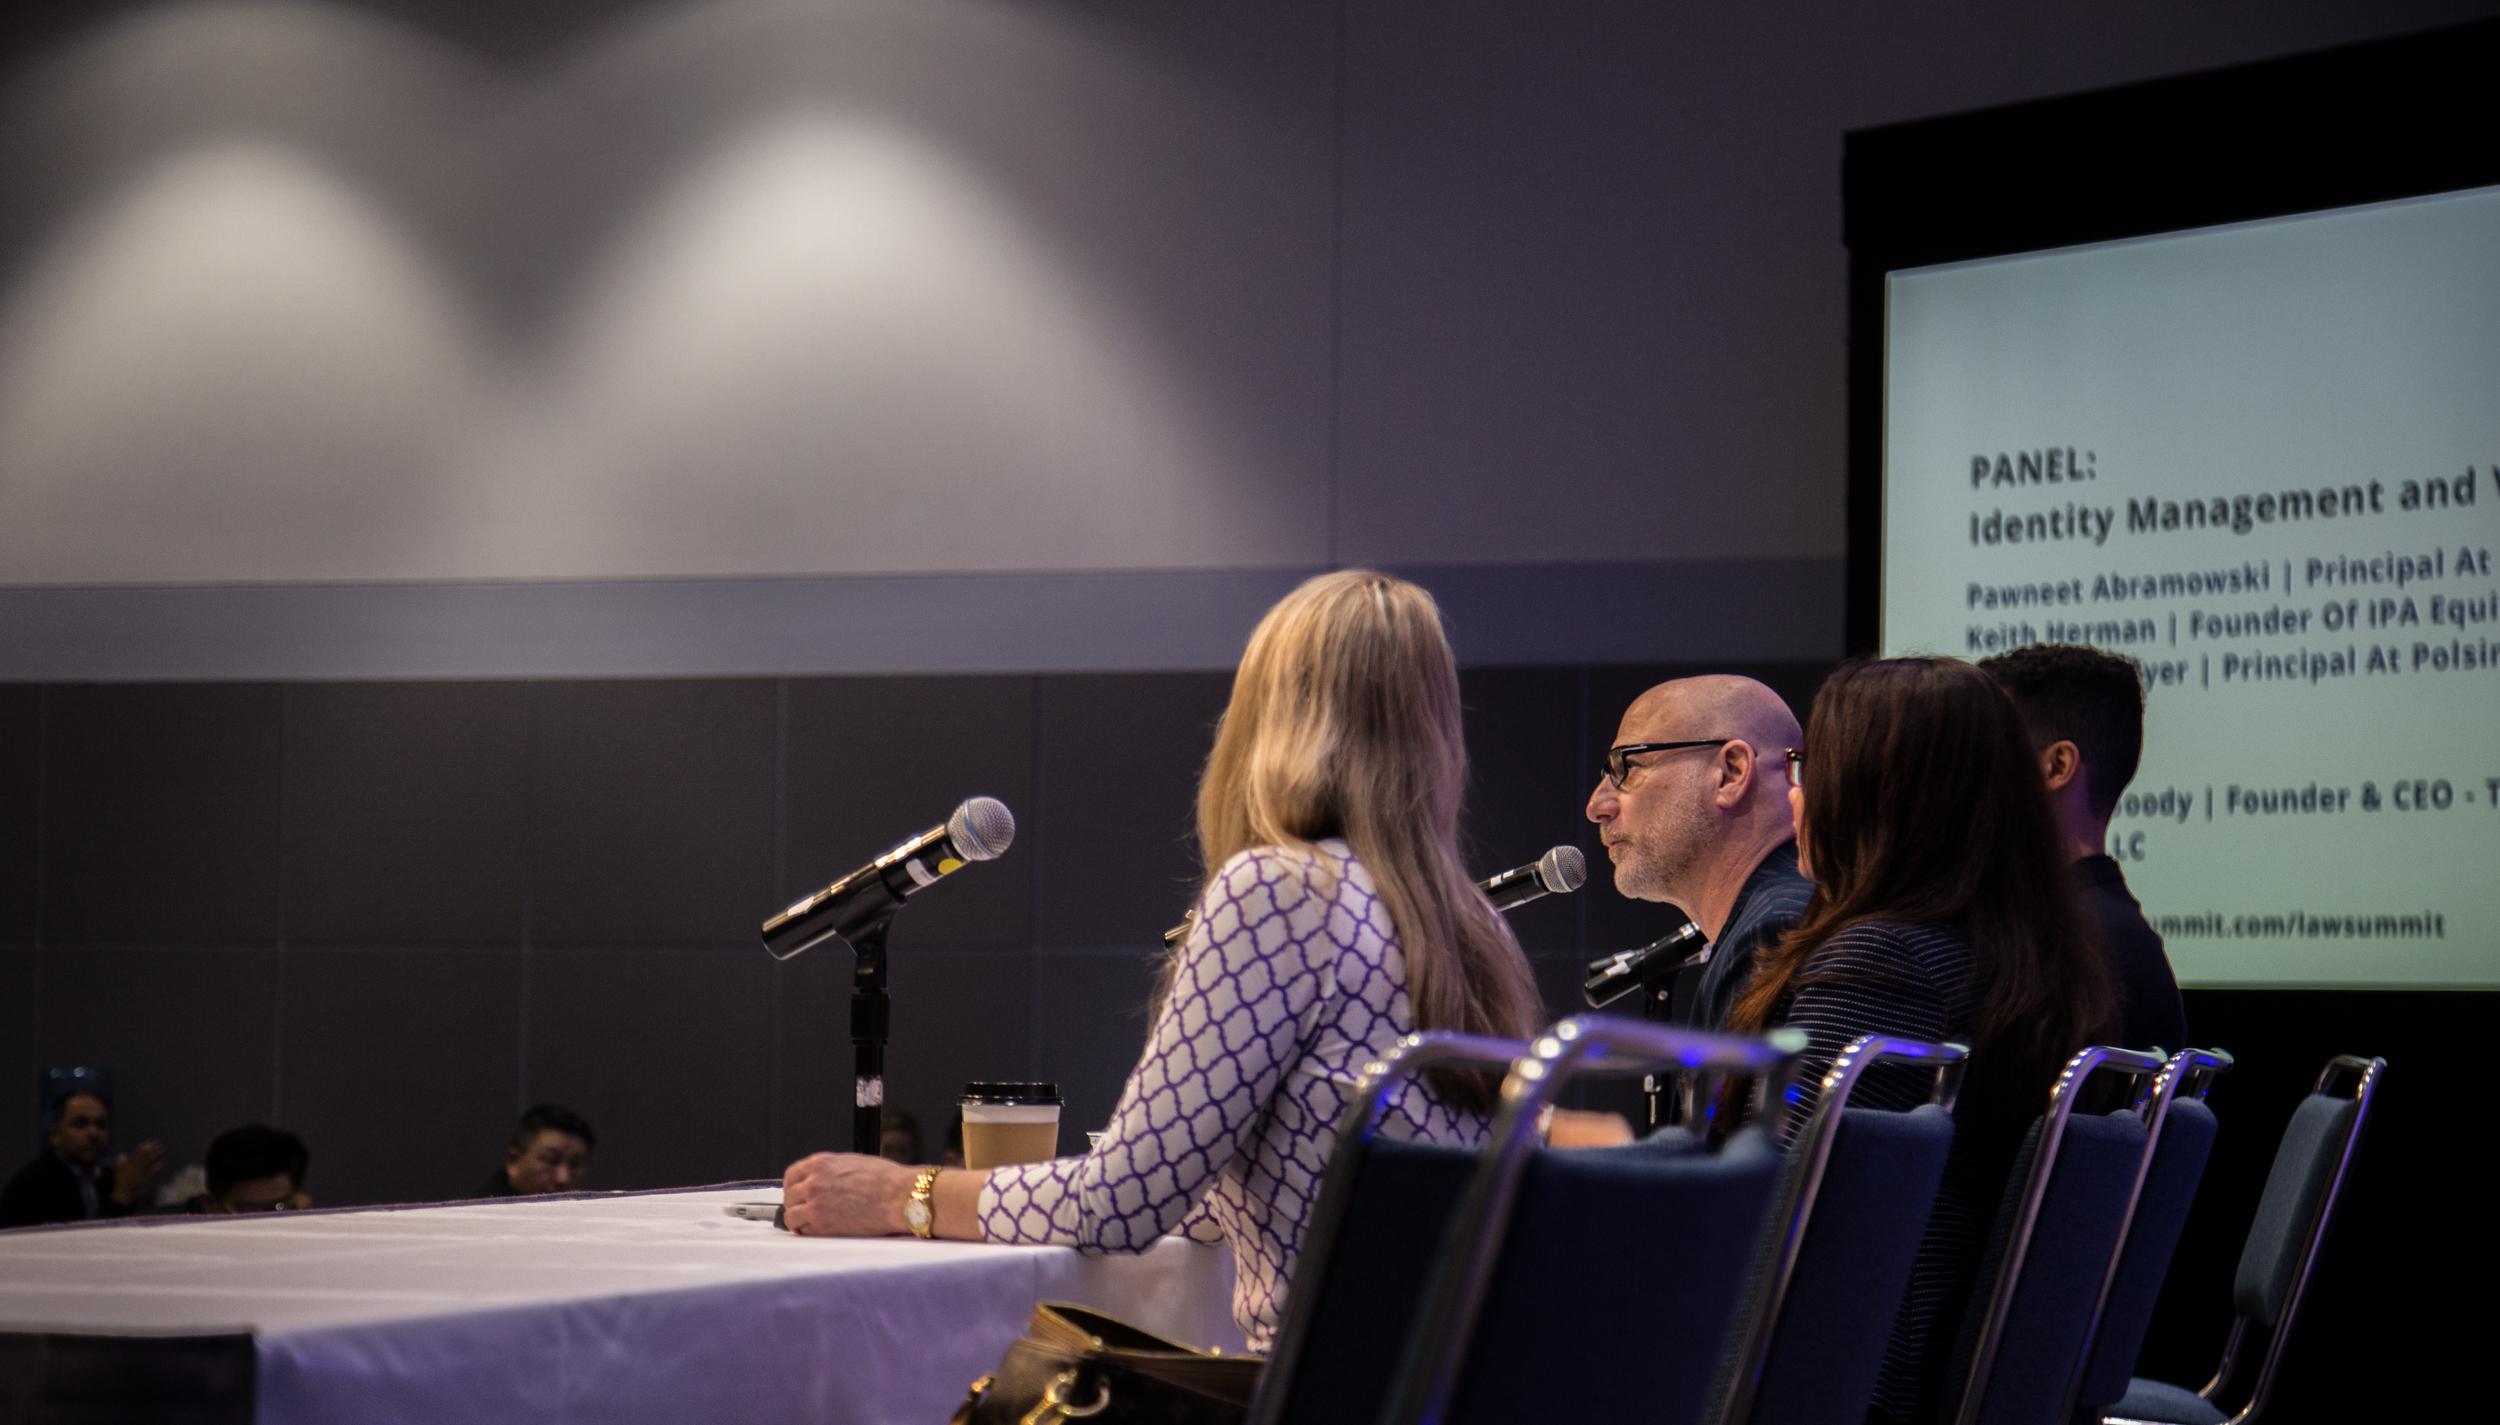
[[857, 1195], [846, 1195]]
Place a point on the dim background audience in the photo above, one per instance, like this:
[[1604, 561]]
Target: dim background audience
[[254, 1168], [898, 1139], [72, 1179], [549, 1152]]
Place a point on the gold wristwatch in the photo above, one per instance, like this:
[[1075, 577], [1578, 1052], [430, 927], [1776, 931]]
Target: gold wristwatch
[[921, 1211]]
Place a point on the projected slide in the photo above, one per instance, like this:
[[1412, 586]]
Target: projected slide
[[2264, 460]]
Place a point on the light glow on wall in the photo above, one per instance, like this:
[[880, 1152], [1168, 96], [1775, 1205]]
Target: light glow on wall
[[310, 296]]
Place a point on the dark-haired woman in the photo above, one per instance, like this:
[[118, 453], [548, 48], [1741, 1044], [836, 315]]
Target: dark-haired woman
[[1941, 911]]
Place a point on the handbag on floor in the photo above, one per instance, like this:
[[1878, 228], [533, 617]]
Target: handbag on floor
[[1075, 1364]]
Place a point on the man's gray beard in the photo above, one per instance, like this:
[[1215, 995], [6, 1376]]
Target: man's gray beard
[[1664, 869]]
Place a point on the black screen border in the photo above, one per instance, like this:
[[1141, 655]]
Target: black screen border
[[2369, 123]]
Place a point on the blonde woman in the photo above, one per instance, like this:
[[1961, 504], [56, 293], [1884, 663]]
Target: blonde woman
[[1336, 917]]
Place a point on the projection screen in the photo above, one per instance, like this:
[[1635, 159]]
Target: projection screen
[[2261, 460]]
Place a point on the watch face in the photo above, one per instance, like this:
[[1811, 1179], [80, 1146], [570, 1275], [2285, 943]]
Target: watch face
[[917, 1214]]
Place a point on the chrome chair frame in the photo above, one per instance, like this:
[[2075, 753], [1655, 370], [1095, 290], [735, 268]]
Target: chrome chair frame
[[2369, 1072], [2062, 1100], [1364, 1110], [1812, 1150], [2189, 1070], [1438, 1348]]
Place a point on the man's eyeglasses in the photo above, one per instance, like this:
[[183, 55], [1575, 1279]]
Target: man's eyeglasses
[[1618, 757], [1796, 766]]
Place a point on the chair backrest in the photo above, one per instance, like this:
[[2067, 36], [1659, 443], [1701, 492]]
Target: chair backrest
[[1622, 1270], [1835, 1255], [2297, 1208], [1600, 1282], [2064, 1213], [1379, 1219], [2183, 1131]]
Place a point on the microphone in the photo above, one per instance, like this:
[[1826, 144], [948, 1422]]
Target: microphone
[[1558, 872], [978, 831], [1614, 976]]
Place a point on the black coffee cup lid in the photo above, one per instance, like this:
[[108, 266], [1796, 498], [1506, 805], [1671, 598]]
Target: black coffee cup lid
[[1011, 1093]]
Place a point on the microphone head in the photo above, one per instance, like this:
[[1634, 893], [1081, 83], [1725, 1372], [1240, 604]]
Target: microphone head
[[981, 828], [1562, 869]]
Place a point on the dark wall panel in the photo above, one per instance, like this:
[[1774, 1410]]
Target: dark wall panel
[[872, 760], [400, 1069], [190, 1034], [1089, 1028], [21, 1004], [161, 812], [958, 1016], [1121, 755], [1524, 753], [666, 1052], [21, 810], [810, 1080], [651, 813], [406, 812]]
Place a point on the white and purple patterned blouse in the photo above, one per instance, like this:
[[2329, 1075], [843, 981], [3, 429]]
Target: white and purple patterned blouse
[[1290, 980]]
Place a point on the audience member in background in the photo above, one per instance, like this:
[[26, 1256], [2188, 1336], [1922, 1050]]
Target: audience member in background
[[254, 1168], [1336, 917], [549, 1152], [954, 1155], [297, 1167], [73, 1180], [1941, 911], [898, 1139], [1693, 809], [2085, 709]]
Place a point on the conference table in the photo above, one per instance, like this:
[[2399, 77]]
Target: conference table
[[653, 1306]]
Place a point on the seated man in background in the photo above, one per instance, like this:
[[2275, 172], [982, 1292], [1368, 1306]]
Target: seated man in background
[[1693, 809], [254, 1168], [72, 1180], [898, 1139], [549, 1152], [2085, 712]]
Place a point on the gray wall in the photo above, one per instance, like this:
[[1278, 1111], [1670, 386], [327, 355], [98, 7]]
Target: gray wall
[[365, 301]]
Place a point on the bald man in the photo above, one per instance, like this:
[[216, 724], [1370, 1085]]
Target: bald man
[[1693, 808]]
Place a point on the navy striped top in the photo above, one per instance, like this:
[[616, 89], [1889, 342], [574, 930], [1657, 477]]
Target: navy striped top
[[1917, 982]]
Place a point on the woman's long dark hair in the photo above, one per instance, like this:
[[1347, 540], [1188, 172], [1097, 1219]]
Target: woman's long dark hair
[[1924, 803]]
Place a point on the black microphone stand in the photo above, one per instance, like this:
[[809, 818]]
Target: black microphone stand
[[1655, 977], [872, 1017], [1658, 1007]]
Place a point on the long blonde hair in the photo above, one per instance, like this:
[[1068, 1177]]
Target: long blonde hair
[[1344, 721]]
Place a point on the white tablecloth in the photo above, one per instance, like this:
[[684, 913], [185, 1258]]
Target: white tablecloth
[[636, 1307]]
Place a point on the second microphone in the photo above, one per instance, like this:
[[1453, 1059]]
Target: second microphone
[[1558, 872]]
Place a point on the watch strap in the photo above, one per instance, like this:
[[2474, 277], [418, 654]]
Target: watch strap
[[924, 1192]]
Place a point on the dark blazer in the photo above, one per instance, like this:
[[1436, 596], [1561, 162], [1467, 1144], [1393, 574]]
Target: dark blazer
[[1768, 906], [2154, 1014], [46, 1190]]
